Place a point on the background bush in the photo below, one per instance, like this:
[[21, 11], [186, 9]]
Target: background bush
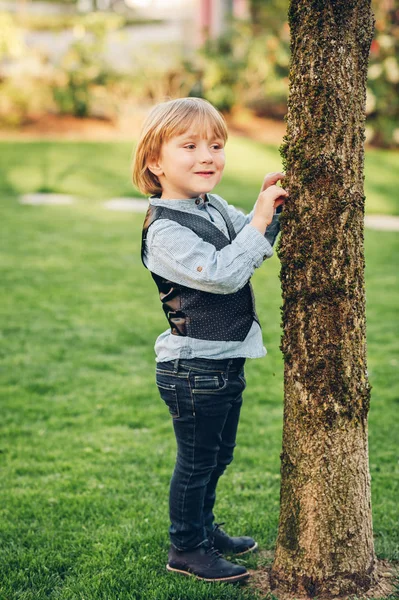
[[247, 67], [383, 82]]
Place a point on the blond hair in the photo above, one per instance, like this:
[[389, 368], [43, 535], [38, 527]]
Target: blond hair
[[166, 120]]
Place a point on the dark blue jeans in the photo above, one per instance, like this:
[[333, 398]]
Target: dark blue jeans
[[204, 398]]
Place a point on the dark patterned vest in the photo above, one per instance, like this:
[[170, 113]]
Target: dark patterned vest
[[194, 313]]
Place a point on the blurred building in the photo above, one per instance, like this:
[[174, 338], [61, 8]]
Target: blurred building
[[203, 18], [215, 14]]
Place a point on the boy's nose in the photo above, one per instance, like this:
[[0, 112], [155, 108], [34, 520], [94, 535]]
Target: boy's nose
[[204, 153], [206, 157]]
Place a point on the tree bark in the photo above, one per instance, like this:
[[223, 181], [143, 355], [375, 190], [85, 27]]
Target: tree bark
[[325, 539]]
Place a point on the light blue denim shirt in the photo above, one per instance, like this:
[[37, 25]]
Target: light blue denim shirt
[[178, 254]]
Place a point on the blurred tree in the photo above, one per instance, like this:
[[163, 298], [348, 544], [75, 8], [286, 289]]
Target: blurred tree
[[325, 540]]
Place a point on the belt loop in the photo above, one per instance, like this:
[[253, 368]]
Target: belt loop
[[176, 366]]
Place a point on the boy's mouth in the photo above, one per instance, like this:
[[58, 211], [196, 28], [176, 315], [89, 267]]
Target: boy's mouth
[[205, 173]]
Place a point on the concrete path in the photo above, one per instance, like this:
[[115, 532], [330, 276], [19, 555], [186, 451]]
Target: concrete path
[[55, 199], [127, 205], [140, 205], [382, 222]]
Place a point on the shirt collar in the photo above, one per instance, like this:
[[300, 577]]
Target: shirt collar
[[186, 203]]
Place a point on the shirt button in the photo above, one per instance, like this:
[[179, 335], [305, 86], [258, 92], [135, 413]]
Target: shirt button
[[198, 200], [265, 257]]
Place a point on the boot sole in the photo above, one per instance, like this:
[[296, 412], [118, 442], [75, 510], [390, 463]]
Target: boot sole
[[252, 549], [232, 579]]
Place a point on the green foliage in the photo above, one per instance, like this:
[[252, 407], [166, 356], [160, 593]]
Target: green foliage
[[21, 91], [83, 67], [249, 64], [19, 97], [152, 81], [82, 84], [223, 60], [268, 14], [383, 83], [241, 68], [11, 40]]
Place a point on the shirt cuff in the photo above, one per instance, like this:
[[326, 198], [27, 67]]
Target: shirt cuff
[[254, 244]]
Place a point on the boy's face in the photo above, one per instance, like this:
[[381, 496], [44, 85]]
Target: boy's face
[[190, 164]]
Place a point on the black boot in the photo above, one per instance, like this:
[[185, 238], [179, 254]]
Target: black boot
[[206, 563], [231, 545]]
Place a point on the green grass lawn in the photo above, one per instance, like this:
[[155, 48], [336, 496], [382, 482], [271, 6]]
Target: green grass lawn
[[86, 446]]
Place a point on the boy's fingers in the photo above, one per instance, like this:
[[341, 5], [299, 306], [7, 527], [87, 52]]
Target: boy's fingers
[[276, 190], [272, 179], [280, 191]]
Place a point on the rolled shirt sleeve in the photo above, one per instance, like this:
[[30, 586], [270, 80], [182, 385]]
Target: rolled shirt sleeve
[[239, 220], [180, 255]]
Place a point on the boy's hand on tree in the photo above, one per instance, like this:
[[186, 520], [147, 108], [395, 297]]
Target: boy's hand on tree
[[271, 179], [266, 204]]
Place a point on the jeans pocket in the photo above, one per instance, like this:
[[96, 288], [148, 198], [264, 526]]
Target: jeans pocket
[[241, 377], [168, 394], [208, 384]]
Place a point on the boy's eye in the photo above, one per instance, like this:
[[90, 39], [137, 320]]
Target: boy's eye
[[216, 146], [190, 146]]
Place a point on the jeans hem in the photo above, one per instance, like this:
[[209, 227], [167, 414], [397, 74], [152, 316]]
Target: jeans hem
[[191, 547]]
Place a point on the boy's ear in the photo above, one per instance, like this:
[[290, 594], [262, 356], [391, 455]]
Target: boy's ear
[[154, 166]]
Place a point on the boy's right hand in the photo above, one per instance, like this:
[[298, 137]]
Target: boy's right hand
[[266, 204]]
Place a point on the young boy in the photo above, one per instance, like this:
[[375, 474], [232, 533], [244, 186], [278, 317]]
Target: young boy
[[201, 253]]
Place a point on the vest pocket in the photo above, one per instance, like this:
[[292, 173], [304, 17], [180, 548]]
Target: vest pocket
[[168, 394]]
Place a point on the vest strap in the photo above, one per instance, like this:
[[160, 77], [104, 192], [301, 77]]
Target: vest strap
[[220, 208]]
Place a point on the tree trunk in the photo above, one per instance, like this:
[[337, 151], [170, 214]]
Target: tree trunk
[[325, 539]]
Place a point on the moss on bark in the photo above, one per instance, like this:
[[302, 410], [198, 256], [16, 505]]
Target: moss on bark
[[325, 533]]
